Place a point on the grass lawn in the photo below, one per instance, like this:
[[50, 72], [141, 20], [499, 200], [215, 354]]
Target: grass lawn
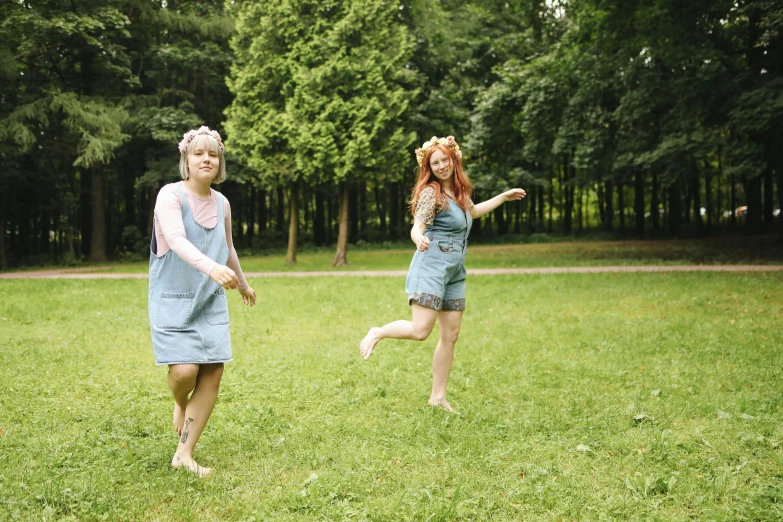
[[582, 397], [743, 250]]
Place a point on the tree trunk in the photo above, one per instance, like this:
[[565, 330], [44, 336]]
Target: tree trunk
[[279, 209], [305, 199], [708, 195], [638, 203], [501, 221], [551, 202], [293, 224], [665, 205], [696, 192], [675, 212], [251, 215], [3, 254], [44, 225], [394, 211], [753, 198], [768, 199], [562, 174], [319, 236], [608, 201], [733, 201], [238, 215], [719, 202], [353, 212], [541, 196], [362, 210], [129, 194], [329, 225], [380, 204], [341, 256], [569, 175], [531, 209], [262, 211], [621, 206], [98, 240], [779, 171], [655, 204]]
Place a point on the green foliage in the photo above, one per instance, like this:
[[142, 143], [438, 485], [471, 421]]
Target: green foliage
[[319, 90]]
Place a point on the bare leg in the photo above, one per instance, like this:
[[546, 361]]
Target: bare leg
[[197, 413], [181, 380], [417, 329], [450, 322]]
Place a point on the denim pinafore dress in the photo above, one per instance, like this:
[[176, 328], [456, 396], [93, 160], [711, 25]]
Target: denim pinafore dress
[[188, 311], [436, 277]]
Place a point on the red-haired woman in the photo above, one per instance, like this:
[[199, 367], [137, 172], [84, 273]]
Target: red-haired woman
[[443, 214]]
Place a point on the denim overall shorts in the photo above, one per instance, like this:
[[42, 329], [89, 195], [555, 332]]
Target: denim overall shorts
[[436, 277], [188, 311]]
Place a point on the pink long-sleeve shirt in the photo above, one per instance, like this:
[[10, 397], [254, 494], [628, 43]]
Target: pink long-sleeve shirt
[[170, 231]]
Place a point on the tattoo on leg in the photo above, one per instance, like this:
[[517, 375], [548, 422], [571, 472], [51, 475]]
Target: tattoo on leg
[[184, 438]]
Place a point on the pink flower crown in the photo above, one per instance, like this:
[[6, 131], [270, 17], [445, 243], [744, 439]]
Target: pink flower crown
[[449, 142], [188, 137]]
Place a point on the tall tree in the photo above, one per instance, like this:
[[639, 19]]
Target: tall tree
[[320, 89]]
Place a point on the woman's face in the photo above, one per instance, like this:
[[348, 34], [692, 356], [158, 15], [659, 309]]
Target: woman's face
[[203, 161], [441, 165]]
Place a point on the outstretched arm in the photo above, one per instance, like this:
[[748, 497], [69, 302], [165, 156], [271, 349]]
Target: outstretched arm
[[488, 206]]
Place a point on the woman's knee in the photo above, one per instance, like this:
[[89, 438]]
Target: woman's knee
[[183, 373], [212, 373], [449, 336], [421, 331]]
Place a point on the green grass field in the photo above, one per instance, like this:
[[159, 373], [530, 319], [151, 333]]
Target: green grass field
[[582, 397]]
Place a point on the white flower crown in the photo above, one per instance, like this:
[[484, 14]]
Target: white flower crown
[[449, 142], [188, 137]]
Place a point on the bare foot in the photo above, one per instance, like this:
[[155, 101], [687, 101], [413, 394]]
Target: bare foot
[[179, 419], [442, 403], [368, 343], [190, 465]]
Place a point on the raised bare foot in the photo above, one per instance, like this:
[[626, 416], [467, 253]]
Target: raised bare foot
[[442, 403], [179, 419], [368, 343], [191, 465]]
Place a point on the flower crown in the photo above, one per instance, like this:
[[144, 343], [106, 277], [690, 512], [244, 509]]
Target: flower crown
[[188, 137], [449, 142]]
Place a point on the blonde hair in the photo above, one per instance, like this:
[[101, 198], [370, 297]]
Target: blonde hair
[[213, 146]]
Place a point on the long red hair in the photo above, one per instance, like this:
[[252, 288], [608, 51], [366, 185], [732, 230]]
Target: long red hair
[[461, 185]]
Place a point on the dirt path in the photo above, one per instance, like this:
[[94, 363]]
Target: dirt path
[[84, 273]]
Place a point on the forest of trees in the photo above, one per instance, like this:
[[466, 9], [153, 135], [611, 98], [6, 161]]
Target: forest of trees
[[656, 118]]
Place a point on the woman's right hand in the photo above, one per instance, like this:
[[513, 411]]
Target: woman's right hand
[[422, 243], [224, 276]]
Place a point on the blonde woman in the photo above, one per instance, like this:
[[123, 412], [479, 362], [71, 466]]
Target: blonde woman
[[192, 264]]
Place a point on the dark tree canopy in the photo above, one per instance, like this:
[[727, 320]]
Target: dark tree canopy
[[648, 119]]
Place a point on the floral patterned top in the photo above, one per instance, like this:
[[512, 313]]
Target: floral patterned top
[[427, 206]]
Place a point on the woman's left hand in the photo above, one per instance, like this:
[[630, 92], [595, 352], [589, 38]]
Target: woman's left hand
[[514, 194], [248, 295]]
